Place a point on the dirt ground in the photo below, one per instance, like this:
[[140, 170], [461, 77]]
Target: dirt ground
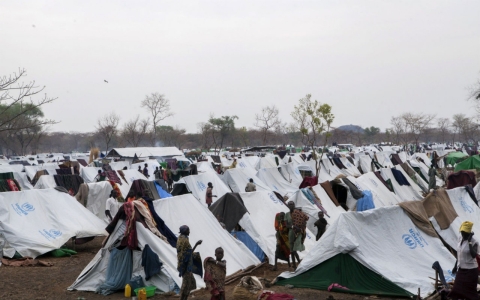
[[52, 282]]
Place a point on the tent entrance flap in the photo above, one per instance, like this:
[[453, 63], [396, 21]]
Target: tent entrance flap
[[348, 272]]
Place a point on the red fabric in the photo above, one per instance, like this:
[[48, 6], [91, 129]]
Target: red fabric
[[131, 231], [275, 296], [461, 178], [11, 184], [308, 181]]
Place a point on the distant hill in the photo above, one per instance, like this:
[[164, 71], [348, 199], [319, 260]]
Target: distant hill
[[354, 128]]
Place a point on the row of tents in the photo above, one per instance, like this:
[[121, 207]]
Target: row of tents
[[386, 247]]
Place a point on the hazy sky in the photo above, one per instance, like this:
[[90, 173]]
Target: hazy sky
[[368, 59]]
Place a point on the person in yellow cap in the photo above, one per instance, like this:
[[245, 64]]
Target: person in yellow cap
[[465, 286]]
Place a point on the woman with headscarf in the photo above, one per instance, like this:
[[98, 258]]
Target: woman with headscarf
[[187, 263], [465, 285], [282, 250]]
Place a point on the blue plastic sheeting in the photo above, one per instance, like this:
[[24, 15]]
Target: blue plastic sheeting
[[250, 243], [366, 202], [161, 192]]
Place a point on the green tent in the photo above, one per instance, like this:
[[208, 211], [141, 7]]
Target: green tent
[[454, 157], [473, 162], [348, 272]]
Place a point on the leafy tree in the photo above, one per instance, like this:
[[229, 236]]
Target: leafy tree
[[19, 99], [171, 136], [371, 132], [221, 129], [24, 131], [313, 120]]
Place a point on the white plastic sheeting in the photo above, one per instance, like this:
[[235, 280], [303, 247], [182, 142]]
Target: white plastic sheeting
[[333, 211], [119, 165], [98, 193], [198, 184], [93, 275], [186, 210], [269, 161], [205, 166], [275, 181], [413, 184], [238, 178], [365, 162], [45, 182], [383, 158], [323, 175], [130, 176], [466, 210], [50, 167], [151, 165], [389, 230], [23, 181], [248, 162], [351, 169], [147, 151], [37, 221], [404, 192], [380, 193], [259, 222], [291, 173], [312, 210], [89, 173]]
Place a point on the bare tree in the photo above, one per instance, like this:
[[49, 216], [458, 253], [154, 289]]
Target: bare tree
[[417, 124], [267, 120], [475, 95], [107, 128], [443, 127], [159, 108], [468, 129], [17, 100], [135, 131], [399, 130], [410, 126]]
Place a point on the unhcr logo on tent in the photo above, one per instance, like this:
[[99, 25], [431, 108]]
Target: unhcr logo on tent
[[201, 186], [24, 209], [242, 164], [409, 241], [273, 198], [467, 208], [51, 234], [414, 239]]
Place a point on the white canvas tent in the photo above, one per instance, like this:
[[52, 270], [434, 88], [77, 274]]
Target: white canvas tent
[[466, 210], [276, 182], [238, 178], [186, 210], [312, 210], [45, 182], [37, 221], [259, 222], [404, 192], [389, 230], [291, 173], [145, 152], [382, 196], [152, 164], [198, 184], [93, 275], [98, 193]]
